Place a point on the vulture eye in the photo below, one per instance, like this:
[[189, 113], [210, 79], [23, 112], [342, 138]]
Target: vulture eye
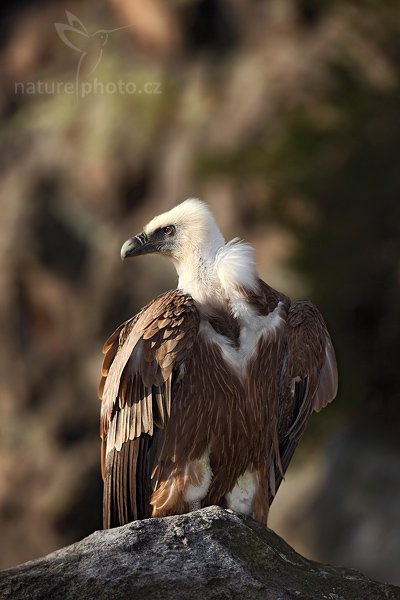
[[169, 230]]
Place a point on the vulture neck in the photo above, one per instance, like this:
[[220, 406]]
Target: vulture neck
[[219, 274]]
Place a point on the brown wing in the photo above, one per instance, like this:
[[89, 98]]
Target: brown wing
[[310, 378], [143, 358]]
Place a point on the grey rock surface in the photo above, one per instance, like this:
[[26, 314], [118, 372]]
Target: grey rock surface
[[209, 554]]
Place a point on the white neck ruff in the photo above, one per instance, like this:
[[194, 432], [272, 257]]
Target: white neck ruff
[[218, 275]]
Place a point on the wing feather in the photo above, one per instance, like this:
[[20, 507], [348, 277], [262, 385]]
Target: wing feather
[[310, 372], [141, 358], [328, 379]]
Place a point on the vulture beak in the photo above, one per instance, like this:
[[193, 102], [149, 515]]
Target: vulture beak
[[139, 244]]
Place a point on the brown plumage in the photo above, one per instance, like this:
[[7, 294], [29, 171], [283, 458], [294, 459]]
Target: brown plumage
[[208, 389]]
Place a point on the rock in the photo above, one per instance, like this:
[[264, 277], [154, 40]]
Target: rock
[[208, 554]]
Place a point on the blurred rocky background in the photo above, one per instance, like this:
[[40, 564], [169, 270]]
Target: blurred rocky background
[[284, 116]]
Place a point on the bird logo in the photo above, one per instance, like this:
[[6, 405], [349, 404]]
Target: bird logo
[[90, 46]]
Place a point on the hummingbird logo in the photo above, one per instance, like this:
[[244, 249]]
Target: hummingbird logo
[[90, 46]]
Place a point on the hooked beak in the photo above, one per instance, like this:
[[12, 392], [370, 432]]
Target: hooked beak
[[139, 244]]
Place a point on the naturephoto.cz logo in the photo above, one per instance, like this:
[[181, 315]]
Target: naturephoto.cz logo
[[90, 48], [85, 88]]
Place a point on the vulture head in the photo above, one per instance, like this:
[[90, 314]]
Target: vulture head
[[208, 269], [186, 231]]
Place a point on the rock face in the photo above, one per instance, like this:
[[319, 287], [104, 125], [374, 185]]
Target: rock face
[[209, 554]]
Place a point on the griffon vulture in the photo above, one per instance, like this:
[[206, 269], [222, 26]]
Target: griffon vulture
[[206, 392]]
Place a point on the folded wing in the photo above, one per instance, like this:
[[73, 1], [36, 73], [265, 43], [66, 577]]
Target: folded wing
[[144, 358], [311, 371]]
